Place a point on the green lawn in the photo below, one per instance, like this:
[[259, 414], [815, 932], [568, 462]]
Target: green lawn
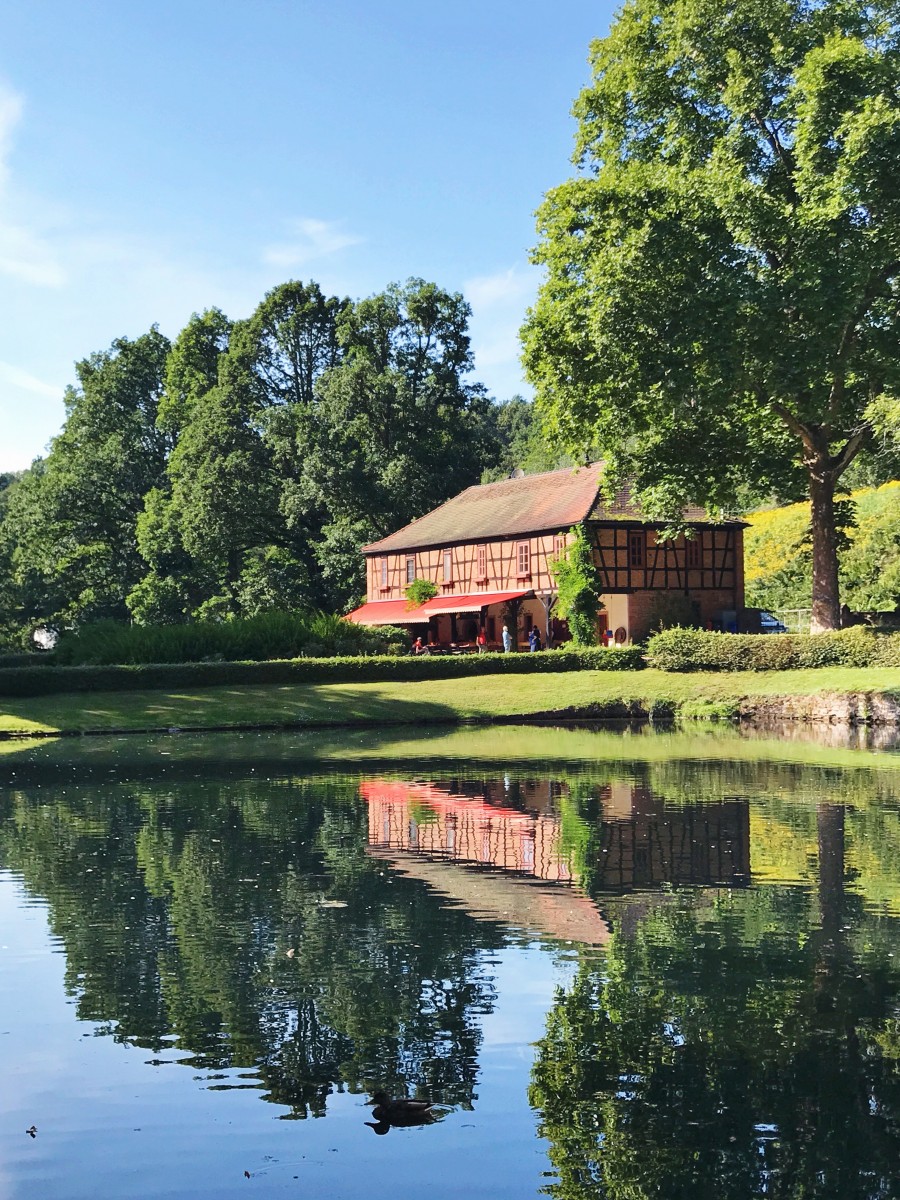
[[426, 701]]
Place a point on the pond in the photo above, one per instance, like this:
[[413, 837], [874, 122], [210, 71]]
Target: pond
[[621, 964]]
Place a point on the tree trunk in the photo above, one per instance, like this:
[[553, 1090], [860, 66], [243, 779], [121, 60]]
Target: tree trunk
[[826, 603], [830, 830]]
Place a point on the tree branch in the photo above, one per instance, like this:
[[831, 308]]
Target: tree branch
[[851, 448], [849, 334], [780, 152], [795, 425]]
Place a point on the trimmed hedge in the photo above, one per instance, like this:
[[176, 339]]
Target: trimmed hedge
[[40, 658], [43, 681], [701, 650]]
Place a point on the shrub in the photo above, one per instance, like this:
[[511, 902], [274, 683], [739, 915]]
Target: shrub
[[271, 635], [420, 591], [34, 681], [700, 650]]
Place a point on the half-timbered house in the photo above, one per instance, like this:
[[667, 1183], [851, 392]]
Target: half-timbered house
[[489, 550]]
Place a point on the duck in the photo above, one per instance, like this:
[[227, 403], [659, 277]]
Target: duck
[[402, 1111]]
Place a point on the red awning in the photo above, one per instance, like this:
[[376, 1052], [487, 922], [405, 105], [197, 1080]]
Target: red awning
[[388, 612], [398, 612], [469, 604]]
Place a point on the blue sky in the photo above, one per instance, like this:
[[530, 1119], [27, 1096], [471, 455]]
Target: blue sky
[[156, 160]]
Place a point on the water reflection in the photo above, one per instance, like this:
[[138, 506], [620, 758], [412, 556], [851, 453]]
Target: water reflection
[[743, 1048], [244, 926], [732, 1023], [616, 836]]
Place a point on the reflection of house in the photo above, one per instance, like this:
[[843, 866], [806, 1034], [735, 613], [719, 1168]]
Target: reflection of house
[[639, 841], [488, 550], [431, 820], [433, 834], [646, 844], [557, 912]]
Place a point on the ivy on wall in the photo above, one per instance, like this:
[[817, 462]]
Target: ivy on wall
[[578, 583]]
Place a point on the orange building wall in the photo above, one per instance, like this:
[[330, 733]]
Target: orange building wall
[[718, 569], [501, 574]]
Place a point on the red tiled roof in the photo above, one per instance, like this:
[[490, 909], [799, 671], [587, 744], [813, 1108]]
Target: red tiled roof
[[556, 500], [622, 507], [553, 501]]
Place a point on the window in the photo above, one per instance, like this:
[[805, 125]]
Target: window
[[384, 573], [523, 568], [448, 566], [559, 544], [637, 541], [410, 568], [481, 564], [694, 555]]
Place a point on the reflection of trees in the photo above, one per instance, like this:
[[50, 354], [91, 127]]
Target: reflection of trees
[[178, 907], [741, 1049]]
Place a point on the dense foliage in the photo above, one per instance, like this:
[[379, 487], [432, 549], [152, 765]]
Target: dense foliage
[[239, 469], [420, 591], [723, 274], [269, 635], [702, 650], [579, 586], [779, 560], [523, 445]]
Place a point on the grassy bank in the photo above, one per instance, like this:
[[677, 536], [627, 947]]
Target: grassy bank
[[432, 701]]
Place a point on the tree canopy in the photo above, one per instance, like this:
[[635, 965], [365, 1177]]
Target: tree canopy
[[70, 522], [721, 298], [241, 468]]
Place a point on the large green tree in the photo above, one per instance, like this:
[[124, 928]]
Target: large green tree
[[10, 590], [522, 444], [229, 529], [71, 520], [721, 299], [397, 428]]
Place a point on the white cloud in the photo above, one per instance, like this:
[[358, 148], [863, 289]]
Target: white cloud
[[24, 254], [309, 239], [512, 289], [17, 378]]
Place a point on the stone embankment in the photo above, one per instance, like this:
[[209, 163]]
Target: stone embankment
[[845, 708]]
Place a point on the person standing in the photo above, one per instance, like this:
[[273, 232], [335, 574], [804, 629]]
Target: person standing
[[507, 640], [534, 639]]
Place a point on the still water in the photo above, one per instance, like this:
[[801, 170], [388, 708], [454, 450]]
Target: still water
[[622, 965]]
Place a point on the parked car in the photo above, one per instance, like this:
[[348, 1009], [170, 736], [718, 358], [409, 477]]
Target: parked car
[[770, 624]]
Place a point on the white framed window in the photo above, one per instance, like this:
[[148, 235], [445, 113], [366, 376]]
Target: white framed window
[[448, 566], [410, 568], [523, 559]]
